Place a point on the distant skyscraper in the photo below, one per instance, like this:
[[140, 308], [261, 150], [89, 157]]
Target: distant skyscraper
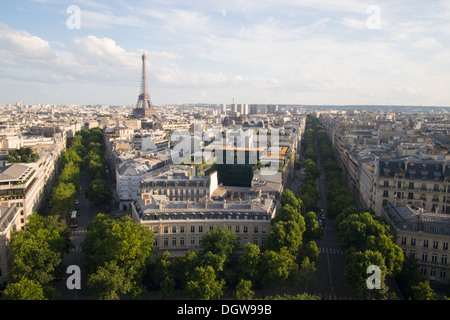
[[144, 107]]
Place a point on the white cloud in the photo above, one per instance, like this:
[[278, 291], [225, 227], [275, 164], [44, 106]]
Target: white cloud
[[354, 23], [103, 51], [426, 43], [22, 44], [106, 19]]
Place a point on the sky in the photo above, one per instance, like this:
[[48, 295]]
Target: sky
[[302, 52]]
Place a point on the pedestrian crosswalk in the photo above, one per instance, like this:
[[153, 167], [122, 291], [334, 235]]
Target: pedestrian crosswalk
[[75, 249], [80, 231], [333, 251]]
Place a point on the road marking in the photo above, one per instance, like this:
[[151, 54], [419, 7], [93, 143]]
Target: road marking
[[332, 251]]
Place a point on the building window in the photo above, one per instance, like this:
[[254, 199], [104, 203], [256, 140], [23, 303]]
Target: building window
[[174, 242], [412, 253], [237, 229], [192, 241], [435, 244], [181, 229], [255, 230], [174, 229], [200, 229], [385, 193], [424, 256], [433, 272], [423, 270], [211, 228], [245, 229], [443, 273], [166, 242], [245, 240], [256, 241], [166, 229], [445, 246], [182, 241], [444, 259], [192, 229], [434, 257], [413, 241], [425, 243]]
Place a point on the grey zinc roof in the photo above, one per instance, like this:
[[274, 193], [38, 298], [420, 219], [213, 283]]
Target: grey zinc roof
[[13, 172]]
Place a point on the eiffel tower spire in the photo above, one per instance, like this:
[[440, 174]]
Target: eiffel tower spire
[[144, 107]]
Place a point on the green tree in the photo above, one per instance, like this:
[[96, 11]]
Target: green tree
[[71, 174], [25, 289], [220, 241], [203, 285], [184, 265], [167, 291], [311, 251], [71, 155], [423, 291], [355, 273], [312, 229], [249, 261], [63, 198], [163, 268], [277, 268], [244, 290], [288, 213], [362, 232], [409, 276], [285, 234], [288, 198], [98, 192], [22, 155], [306, 274], [109, 281], [121, 240], [54, 231], [32, 257]]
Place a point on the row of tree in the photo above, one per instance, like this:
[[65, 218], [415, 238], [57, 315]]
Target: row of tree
[[287, 258], [64, 191], [116, 253], [366, 238], [98, 191], [36, 259], [35, 254], [338, 196], [309, 194]]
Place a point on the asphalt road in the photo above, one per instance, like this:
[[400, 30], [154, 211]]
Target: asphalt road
[[87, 213]]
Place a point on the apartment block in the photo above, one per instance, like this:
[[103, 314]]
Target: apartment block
[[180, 226]]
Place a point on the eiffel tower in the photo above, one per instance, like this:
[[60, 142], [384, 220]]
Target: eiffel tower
[[144, 107]]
